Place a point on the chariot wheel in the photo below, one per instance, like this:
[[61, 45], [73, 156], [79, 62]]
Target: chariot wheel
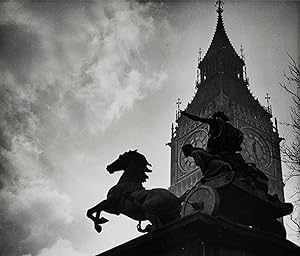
[[204, 199]]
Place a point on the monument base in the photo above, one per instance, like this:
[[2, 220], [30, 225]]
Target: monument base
[[205, 235]]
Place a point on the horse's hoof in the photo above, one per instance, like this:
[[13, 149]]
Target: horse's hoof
[[98, 228], [147, 229], [102, 220], [89, 213]]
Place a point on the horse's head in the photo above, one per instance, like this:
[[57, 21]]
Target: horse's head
[[127, 159]]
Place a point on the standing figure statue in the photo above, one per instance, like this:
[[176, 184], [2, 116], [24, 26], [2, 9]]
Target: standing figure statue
[[224, 142], [223, 137]]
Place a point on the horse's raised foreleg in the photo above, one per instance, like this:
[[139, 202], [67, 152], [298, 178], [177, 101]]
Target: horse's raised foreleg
[[94, 214], [109, 205]]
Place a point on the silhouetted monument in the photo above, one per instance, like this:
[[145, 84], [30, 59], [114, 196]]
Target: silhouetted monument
[[225, 172], [130, 198], [221, 214]]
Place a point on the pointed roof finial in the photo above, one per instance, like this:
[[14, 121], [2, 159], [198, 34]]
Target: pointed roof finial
[[220, 6], [269, 108], [178, 103], [199, 57], [198, 67], [242, 53]]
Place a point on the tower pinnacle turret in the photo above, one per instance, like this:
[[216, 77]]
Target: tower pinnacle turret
[[220, 5], [221, 57]]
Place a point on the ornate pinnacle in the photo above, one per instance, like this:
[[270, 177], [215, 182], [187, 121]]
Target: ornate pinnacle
[[178, 103], [220, 6], [200, 53], [268, 103], [242, 53]]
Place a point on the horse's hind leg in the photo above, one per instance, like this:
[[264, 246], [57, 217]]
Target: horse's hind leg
[[155, 221]]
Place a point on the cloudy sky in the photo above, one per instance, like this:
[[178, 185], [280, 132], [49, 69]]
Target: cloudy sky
[[82, 82]]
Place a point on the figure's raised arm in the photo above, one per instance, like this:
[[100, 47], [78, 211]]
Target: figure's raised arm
[[197, 118]]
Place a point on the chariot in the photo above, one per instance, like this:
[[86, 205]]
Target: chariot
[[238, 201]]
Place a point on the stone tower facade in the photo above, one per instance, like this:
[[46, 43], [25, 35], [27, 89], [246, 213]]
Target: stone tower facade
[[223, 86]]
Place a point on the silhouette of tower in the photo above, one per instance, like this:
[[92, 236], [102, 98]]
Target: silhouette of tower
[[222, 85]]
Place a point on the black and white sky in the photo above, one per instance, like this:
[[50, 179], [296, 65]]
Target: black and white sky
[[83, 81]]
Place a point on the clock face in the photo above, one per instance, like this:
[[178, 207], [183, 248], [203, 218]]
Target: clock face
[[255, 148], [197, 139]]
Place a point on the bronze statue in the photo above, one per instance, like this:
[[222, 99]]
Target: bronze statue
[[223, 137], [130, 198], [211, 195], [226, 174], [224, 142], [210, 165]]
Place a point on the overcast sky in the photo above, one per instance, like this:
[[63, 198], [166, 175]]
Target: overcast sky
[[82, 82]]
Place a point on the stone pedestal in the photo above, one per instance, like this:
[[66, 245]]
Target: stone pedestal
[[205, 235]]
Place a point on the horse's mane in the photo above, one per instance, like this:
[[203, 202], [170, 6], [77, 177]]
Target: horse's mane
[[143, 164], [140, 158]]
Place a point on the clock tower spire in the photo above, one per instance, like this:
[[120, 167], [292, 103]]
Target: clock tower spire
[[222, 86], [220, 5]]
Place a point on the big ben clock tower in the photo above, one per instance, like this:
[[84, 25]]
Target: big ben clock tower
[[222, 86]]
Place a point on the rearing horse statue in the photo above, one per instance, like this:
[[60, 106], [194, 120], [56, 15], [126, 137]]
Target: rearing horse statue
[[130, 198]]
